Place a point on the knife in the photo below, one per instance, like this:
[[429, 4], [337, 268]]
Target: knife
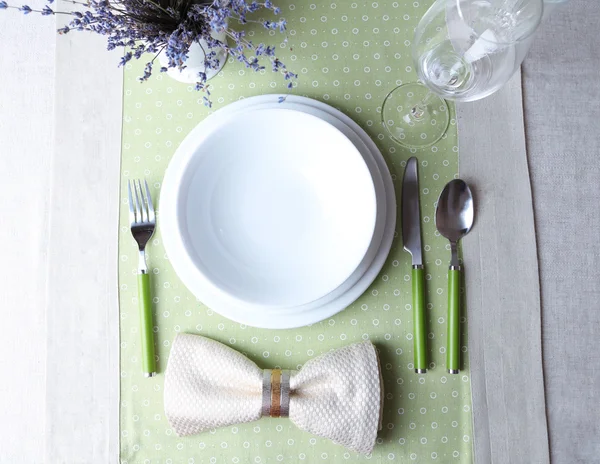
[[411, 236]]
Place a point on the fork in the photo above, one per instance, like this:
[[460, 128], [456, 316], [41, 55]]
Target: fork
[[143, 221]]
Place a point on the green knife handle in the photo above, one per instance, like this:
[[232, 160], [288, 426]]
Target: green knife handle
[[146, 325], [419, 325], [453, 348]]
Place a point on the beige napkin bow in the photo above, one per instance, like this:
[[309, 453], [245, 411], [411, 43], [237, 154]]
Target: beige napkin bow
[[337, 395]]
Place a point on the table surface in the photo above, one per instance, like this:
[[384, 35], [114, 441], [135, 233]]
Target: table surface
[[54, 177], [562, 123]]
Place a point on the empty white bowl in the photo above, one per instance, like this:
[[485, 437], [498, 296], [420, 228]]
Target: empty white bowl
[[274, 207]]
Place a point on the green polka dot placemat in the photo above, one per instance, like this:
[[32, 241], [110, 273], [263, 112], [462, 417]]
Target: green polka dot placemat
[[350, 55]]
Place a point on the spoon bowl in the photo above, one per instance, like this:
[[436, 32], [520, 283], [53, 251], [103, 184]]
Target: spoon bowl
[[455, 212]]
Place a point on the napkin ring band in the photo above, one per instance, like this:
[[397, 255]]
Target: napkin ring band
[[276, 393]]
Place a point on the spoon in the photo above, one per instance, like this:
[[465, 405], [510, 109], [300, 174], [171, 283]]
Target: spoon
[[454, 219]]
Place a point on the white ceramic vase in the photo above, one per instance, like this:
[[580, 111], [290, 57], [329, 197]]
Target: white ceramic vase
[[195, 62]]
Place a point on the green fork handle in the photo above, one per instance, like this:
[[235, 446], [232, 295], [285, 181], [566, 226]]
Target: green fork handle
[[453, 343], [146, 325], [419, 320]]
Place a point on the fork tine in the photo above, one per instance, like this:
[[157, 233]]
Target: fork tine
[[142, 202], [131, 212], [151, 216], [139, 202], [138, 210]]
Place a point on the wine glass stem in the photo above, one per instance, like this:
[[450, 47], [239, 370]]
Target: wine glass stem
[[418, 111]]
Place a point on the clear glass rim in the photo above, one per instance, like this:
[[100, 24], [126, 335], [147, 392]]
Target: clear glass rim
[[512, 42]]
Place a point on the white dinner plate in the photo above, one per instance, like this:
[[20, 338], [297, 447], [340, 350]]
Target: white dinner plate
[[362, 277], [274, 208]]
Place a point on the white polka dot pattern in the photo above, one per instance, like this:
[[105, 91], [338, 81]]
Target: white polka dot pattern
[[336, 395], [349, 54]]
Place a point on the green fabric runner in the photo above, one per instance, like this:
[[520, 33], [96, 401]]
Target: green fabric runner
[[349, 55]]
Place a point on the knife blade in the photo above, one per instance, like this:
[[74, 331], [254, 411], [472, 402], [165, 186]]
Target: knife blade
[[411, 215], [411, 237]]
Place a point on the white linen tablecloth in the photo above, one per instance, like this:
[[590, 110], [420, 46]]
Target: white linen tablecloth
[[27, 57], [60, 110], [60, 126]]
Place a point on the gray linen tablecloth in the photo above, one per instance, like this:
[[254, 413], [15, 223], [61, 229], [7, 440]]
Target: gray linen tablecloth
[[561, 89], [558, 94]]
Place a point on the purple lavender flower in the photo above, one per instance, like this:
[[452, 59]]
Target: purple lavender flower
[[124, 59], [147, 72], [152, 27]]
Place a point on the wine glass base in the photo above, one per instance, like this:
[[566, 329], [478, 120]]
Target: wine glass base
[[415, 129]]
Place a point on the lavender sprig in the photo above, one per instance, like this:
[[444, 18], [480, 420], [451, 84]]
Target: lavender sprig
[[171, 27]]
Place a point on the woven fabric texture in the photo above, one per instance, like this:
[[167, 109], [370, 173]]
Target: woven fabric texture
[[337, 395]]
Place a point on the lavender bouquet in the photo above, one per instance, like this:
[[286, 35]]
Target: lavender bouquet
[[171, 27]]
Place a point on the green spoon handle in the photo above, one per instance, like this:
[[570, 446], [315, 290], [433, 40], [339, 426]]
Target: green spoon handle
[[146, 325], [419, 324], [453, 344]]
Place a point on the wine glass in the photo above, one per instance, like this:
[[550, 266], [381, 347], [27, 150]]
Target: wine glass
[[463, 50]]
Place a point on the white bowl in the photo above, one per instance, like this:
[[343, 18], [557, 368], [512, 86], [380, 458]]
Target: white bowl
[[305, 106], [274, 208]]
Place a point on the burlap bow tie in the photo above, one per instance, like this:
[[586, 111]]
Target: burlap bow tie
[[337, 395]]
